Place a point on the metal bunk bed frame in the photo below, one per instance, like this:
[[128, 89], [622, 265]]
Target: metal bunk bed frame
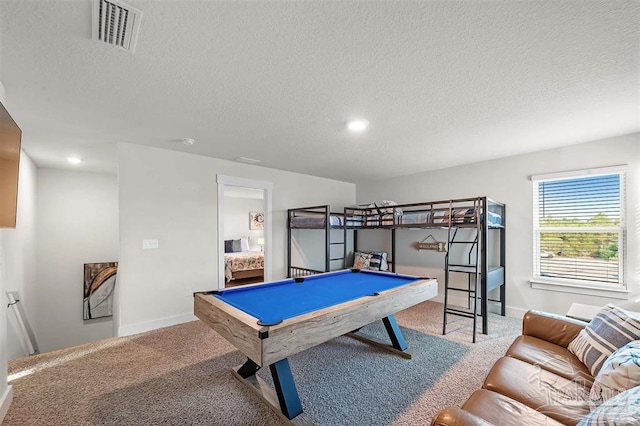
[[482, 278], [323, 211]]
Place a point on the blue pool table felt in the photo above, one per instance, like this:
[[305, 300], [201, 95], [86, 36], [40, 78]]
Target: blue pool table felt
[[273, 302]]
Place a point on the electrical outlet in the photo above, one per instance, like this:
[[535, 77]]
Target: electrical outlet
[[149, 244], [188, 292]]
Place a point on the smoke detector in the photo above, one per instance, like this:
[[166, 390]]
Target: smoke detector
[[116, 24]]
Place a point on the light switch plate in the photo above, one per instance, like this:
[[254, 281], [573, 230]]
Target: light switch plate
[[149, 244]]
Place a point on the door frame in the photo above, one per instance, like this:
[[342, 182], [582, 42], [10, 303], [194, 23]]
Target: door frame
[[267, 188]]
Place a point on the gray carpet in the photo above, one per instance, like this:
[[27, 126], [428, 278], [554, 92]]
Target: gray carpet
[[180, 376]]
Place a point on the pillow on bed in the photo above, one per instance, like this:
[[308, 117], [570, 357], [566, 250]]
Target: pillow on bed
[[228, 246], [361, 260], [390, 207], [244, 244], [237, 246]]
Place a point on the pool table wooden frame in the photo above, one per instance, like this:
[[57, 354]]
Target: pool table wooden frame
[[268, 345]]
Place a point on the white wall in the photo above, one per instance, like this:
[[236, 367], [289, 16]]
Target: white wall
[[5, 390], [17, 266], [172, 196], [20, 257], [308, 249], [77, 223], [236, 219], [16, 262], [508, 181]]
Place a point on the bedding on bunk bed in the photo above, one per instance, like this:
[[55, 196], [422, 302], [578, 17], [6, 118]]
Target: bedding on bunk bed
[[315, 220], [242, 261], [441, 217], [374, 215]]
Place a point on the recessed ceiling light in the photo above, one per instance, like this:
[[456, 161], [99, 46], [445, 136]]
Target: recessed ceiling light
[[74, 160], [357, 125], [187, 141]]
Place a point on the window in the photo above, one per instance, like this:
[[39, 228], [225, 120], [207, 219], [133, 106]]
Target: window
[[579, 227]]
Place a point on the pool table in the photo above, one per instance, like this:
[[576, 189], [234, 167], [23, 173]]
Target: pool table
[[271, 321]]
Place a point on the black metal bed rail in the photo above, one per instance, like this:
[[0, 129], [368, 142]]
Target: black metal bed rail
[[314, 212], [296, 271], [462, 212]]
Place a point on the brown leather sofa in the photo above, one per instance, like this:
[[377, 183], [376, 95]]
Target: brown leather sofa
[[537, 382]]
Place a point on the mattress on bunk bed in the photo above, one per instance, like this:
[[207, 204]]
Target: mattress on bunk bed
[[441, 217], [315, 221]]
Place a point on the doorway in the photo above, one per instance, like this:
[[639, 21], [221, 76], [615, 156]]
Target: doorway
[[256, 238]]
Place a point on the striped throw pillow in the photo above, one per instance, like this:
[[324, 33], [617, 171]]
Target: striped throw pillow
[[378, 261], [609, 330]]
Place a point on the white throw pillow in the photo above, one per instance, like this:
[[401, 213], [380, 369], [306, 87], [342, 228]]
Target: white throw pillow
[[244, 244]]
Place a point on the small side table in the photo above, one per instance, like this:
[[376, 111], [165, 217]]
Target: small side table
[[587, 312], [582, 312]]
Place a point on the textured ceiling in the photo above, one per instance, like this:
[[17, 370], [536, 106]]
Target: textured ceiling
[[441, 82]]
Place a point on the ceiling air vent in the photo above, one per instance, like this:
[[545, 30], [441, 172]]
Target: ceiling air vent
[[116, 24]]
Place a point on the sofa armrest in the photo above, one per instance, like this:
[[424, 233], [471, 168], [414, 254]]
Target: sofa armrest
[[553, 328], [454, 416]]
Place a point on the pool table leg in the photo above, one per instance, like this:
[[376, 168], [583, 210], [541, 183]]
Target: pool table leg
[[286, 388], [398, 345], [285, 396], [395, 334], [248, 369]]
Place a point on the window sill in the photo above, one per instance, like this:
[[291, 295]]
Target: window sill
[[577, 287]]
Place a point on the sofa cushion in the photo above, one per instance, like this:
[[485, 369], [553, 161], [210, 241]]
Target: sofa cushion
[[498, 409], [621, 371], [623, 409], [550, 357], [552, 328], [457, 416], [609, 330], [561, 399]]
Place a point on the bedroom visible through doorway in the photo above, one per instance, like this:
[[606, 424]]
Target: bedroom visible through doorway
[[244, 231]]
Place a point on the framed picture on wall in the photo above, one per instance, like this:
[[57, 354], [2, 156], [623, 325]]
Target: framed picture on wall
[[99, 284], [256, 220]]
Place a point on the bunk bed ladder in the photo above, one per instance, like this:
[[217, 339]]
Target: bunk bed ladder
[[328, 244], [471, 269]]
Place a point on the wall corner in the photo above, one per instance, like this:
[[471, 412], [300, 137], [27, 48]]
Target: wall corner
[[5, 402]]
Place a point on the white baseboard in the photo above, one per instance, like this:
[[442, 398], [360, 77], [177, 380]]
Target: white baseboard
[[5, 402], [141, 327]]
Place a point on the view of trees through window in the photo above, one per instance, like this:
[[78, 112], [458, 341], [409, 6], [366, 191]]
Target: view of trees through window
[[579, 228]]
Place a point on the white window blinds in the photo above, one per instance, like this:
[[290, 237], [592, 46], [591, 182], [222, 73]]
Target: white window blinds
[[579, 226]]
